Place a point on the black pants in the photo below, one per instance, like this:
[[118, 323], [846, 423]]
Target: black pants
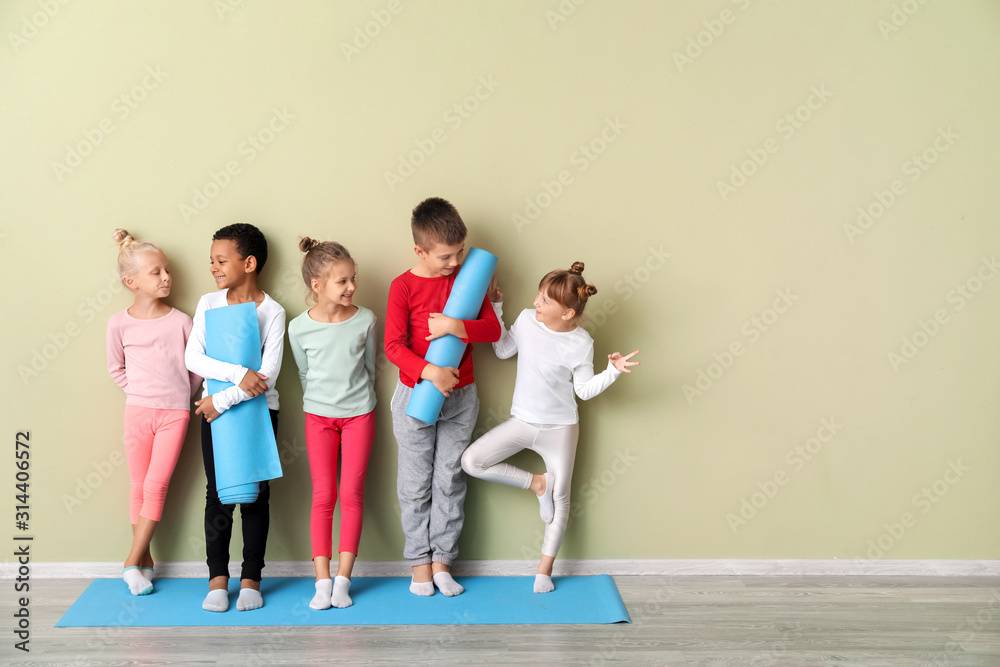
[[255, 517]]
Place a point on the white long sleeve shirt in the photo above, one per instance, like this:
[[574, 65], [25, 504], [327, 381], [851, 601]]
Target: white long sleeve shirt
[[271, 319], [551, 367]]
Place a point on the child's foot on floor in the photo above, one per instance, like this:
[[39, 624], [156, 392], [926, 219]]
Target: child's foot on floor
[[340, 598], [217, 600], [137, 584], [324, 588], [424, 588], [543, 583], [447, 585], [249, 600]]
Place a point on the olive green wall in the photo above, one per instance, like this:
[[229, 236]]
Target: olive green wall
[[791, 208]]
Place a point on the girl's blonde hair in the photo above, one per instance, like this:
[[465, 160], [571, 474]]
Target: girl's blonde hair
[[568, 287], [129, 251], [320, 256]]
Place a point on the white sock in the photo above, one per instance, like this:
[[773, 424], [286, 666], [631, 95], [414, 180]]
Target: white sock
[[543, 583], [339, 598], [448, 586], [137, 584], [217, 600], [148, 573], [249, 600], [322, 598], [424, 588], [546, 508]]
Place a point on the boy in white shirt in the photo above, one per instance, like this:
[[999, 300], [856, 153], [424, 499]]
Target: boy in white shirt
[[238, 254]]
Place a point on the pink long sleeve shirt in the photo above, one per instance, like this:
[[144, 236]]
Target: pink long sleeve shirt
[[146, 359]]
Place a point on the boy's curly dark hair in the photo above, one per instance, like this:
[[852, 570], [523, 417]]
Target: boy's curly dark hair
[[248, 239]]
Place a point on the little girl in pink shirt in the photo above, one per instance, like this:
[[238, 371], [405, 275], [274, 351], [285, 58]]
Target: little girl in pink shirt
[[146, 359]]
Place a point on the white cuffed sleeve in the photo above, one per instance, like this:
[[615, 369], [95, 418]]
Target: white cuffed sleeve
[[506, 347], [586, 384]]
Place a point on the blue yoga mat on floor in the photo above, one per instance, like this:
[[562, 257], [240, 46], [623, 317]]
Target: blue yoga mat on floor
[[242, 437], [377, 601]]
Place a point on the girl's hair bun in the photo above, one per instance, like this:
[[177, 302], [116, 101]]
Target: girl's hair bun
[[122, 237], [568, 287], [130, 251], [320, 256], [306, 244]]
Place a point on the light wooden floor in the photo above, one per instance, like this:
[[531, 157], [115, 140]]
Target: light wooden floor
[[711, 620]]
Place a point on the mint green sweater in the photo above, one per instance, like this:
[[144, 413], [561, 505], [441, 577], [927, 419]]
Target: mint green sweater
[[336, 364]]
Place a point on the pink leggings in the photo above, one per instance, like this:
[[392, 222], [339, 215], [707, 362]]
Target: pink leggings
[[153, 441], [353, 437]]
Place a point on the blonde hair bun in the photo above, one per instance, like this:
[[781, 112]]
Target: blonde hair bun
[[122, 237], [130, 251], [306, 244]]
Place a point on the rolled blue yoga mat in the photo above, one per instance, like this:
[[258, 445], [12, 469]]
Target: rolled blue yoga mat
[[464, 303], [242, 437]]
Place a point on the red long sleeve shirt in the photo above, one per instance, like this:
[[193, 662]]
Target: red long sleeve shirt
[[411, 300]]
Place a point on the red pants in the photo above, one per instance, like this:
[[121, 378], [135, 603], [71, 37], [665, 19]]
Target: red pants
[[352, 437]]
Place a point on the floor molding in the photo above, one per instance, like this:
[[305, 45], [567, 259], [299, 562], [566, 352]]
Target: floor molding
[[659, 567]]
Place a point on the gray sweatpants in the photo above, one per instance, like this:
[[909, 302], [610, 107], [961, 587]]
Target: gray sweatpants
[[429, 481]]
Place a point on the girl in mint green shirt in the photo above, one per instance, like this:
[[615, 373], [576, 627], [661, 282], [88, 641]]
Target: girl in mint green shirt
[[334, 347]]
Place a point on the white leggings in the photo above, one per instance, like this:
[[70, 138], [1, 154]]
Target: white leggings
[[556, 444]]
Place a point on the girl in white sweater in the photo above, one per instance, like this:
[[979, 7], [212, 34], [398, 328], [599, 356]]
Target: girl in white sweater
[[555, 359]]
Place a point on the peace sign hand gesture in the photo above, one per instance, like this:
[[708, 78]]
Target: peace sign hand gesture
[[622, 363]]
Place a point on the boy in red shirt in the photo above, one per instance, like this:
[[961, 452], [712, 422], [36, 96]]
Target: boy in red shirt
[[430, 481]]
